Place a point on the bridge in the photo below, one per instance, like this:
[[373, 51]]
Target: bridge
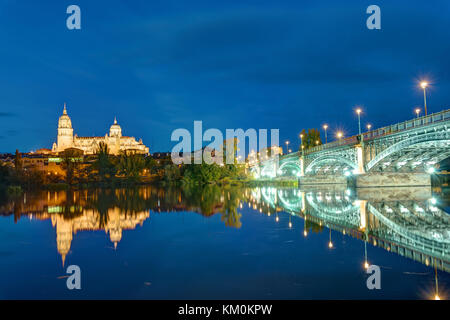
[[405, 153]]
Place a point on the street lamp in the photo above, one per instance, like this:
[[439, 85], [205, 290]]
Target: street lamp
[[325, 127], [424, 86], [339, 135], [358, 111], [417, 112], [287, 144], [301, 139], [369, 126]]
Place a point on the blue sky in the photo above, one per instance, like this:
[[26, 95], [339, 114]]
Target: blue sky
[[160, 65]]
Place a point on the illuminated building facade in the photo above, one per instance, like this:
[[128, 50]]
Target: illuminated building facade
[[115, 141]]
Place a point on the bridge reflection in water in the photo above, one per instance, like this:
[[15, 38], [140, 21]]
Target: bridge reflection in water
[[405, 221]]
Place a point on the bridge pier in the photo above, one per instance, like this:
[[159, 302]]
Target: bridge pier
[[392, 179], [302, 166], [369, 180], [360, 158], [381, 194], [322, 179]]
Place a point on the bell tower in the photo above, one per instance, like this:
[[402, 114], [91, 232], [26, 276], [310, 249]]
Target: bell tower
[[65, 132]]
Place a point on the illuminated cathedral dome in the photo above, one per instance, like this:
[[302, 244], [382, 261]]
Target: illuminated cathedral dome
[[115, 130], [64, 121]]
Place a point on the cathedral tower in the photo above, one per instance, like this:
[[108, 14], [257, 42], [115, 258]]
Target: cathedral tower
[[115, 130], [115, 133], [65, 132]]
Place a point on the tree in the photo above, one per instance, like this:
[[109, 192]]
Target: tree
[[172, 173], [18, 162], [130, 165], [71, 164], [5, 175], [151, 165], [103, 163], [310, 139]]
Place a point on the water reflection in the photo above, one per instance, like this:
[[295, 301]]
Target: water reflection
[[121, 209], [408, 222], [405, 221]]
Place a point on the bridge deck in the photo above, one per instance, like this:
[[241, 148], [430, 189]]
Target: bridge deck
[[388, 130]]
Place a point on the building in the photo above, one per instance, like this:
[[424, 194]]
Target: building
[[115, 141]]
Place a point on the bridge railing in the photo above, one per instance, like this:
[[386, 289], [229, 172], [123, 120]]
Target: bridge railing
[[342, 142], [290, 155], [398, 127], [409, 124]]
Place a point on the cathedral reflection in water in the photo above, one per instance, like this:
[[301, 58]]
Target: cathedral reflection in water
[[409, 222]]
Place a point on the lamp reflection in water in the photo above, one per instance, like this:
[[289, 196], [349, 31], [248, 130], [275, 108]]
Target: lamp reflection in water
[[436, 295], [305, 232], [330, 244], [366, 264]]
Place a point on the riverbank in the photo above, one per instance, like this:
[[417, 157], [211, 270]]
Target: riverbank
[[117, 183]]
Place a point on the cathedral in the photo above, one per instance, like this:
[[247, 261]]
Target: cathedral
[[115, 141]]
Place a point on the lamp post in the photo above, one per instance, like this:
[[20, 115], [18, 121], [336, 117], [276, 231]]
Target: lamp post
[[369, 126], [287, 144], [339, 135], [325, 127], [417, 112], [358, 111], [424, 86]]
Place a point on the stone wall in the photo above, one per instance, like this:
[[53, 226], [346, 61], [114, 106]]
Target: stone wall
[[392, 179], [322, 179]]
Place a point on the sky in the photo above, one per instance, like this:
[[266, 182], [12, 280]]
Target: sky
[[160, 65]]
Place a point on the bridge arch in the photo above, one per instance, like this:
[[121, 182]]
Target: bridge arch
[[343, 212], [435, 136], [293, 164], [291, 199], [268, 169], [428, 237], [335, 160]]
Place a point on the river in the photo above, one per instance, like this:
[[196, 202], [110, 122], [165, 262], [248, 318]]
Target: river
[[226, 243]]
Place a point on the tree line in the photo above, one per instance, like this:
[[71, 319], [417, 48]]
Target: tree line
[[102, 168]]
